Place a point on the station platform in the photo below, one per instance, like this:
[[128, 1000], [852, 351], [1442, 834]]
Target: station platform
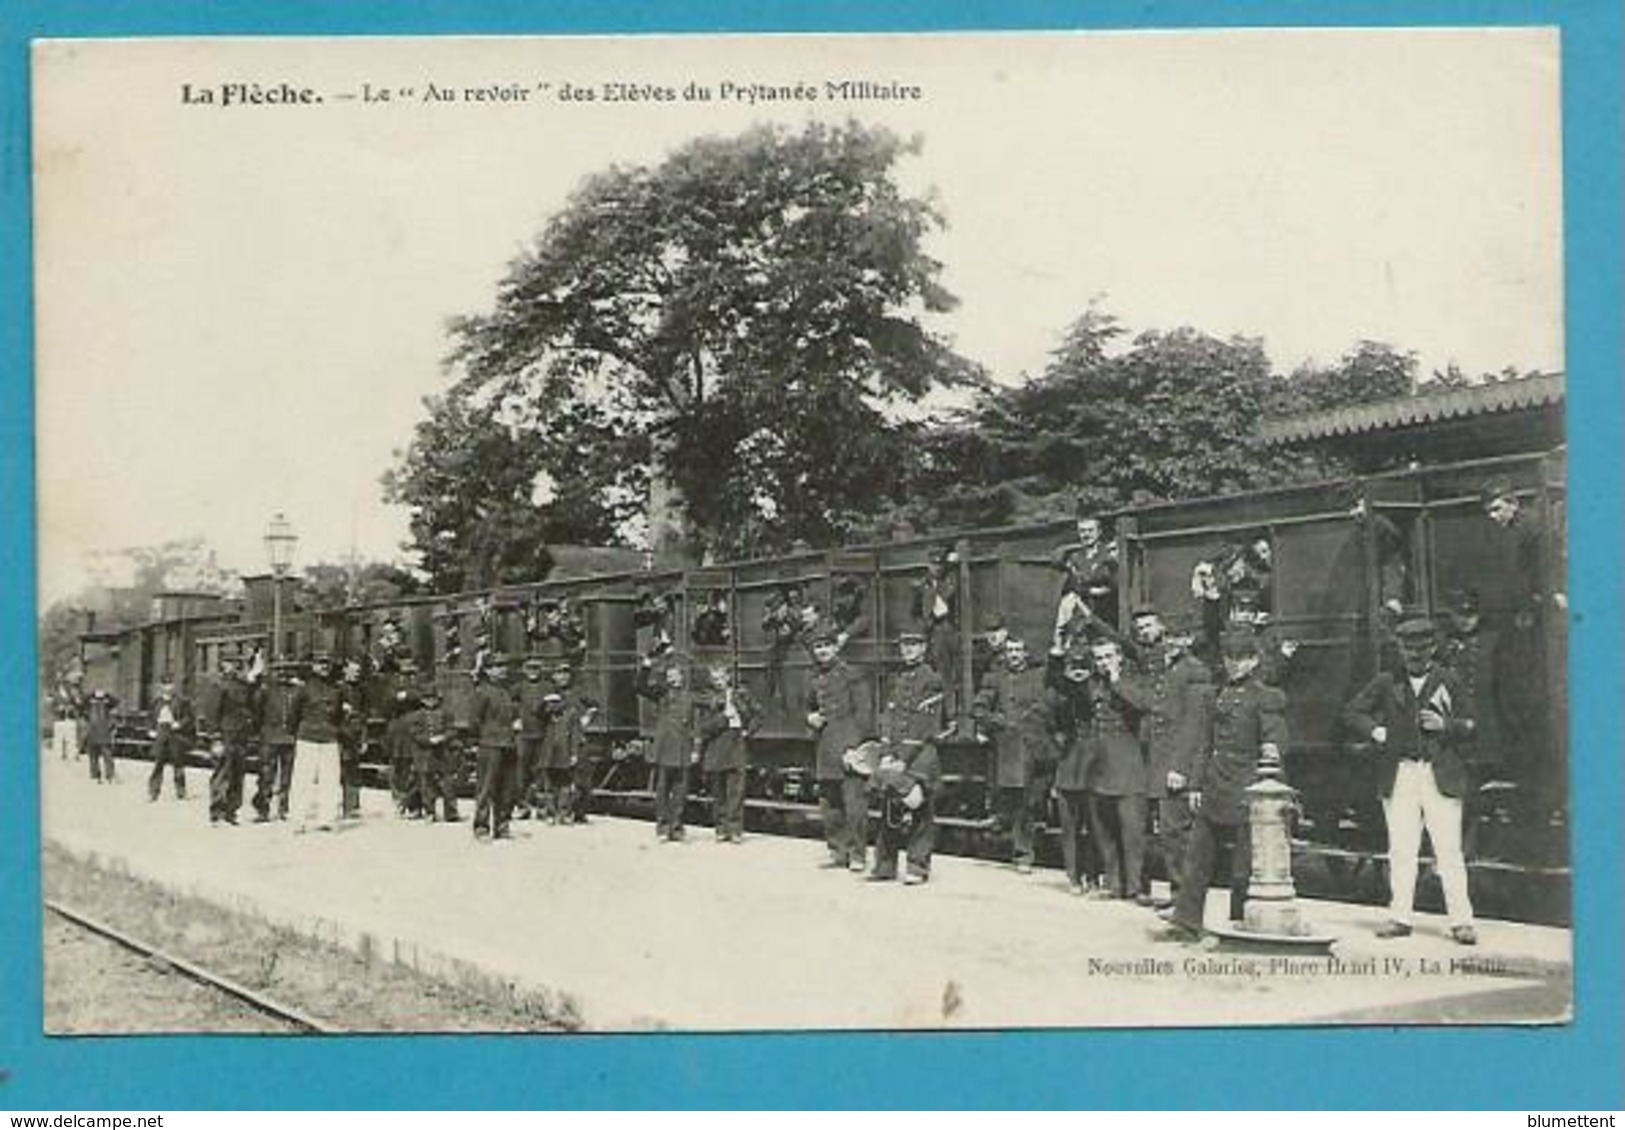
[[636, 935]]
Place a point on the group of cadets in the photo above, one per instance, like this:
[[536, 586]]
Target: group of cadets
[[1152, 737]]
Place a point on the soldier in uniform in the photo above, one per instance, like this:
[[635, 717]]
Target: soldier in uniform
[[360, 714], [675, 744], [1067, 720], [564, 754], [1180, 689], [936, 611], [1417, 723], [1089, 585], [1245, 723], [317, 718], [532, 694], [99, 710], [436, 755], [726, 719], [172, 729], [841, 717], [1118, 701], [228, 725], [275, 777], [493, 720], [911, 724], [1017, 713]]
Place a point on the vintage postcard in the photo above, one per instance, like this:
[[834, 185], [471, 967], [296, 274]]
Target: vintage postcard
[[919, 531]]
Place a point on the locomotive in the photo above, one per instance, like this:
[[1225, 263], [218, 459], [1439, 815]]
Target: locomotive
[[1343, 558]]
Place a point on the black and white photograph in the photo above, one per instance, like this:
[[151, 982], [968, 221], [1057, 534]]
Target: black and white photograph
[[802, 532]]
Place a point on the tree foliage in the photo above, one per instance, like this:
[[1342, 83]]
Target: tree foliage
[[740, 315]]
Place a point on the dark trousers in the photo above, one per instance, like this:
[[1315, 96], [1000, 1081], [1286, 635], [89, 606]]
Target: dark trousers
[[912, 832], [529, 773], [1021, 806], [403, 776], [1077, 846], [1210, 844], [275, 777], [671, 797], [226, 782], [350, 777], [440, 773], [1174, 818], [1117, 824], [495, 767], [843, 805], [167, 749], [728, 802], [101, 760]]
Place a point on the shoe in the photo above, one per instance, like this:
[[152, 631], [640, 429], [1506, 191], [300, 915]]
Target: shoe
[[678, 836], [857, 866], [1102, 894], [1394, 930], [834, 863], [522, 814], [1023, 867], [881, 876], [1160, 905], [1178, 933], [915, 879], [722, 837], [1464, 935], [1144, 900], [1074, 888], [261, 818]]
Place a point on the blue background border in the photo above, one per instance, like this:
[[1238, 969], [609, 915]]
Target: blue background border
[[1581, 1066]]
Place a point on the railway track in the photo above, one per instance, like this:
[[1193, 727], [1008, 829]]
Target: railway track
[[301, 1022]]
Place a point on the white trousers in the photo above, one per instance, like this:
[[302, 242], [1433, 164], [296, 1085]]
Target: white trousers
[[65, 738], [1416, 804], [317, 793]]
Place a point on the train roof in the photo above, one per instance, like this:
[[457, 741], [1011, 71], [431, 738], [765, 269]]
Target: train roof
[[1424, 410]]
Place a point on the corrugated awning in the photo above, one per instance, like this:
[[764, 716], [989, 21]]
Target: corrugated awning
[[1413, 411]]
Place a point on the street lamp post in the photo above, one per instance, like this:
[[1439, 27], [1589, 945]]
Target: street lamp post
[[280, 541]]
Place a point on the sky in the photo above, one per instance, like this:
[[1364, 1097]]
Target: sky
[[240, 307]]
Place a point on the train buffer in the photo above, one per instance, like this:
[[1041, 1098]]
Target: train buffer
[[642, 935]]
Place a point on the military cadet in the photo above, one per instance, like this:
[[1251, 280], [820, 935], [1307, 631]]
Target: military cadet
[[564, 753], [675, 744], [1118, 700], [227, 725], [1245, 724], [726, 719], [1068, 722], [936, 611], [99, 710], [436, 755], [1180, 688], [911, 725], [531, 694], [1018, 714], [1417, 722], [1089, 585], [360, 716], [317, 717], [493, 720], [275, 778], [841, 717], [391, 696], [172, 730]]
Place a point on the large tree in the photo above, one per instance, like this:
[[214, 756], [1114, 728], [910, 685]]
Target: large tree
[[740, 318]]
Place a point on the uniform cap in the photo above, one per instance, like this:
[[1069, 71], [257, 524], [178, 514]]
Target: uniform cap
[[911, 636], [821, 635], [1417, 630], [1145, 608]]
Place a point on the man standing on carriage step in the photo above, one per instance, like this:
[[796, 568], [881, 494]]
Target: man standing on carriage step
[[1017, 714], [840, 714], [1088, 600], [936, 612], [911, 724], [493, 718], [1418, 722], [227, 725], [1246, 723], [1180, 687]]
